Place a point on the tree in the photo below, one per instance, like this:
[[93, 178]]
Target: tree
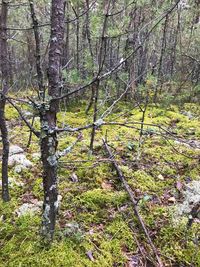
[[48, 112], [3, 93]]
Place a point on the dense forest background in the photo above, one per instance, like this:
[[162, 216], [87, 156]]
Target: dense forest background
[[99, 122]]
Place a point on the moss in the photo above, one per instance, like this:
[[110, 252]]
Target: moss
[[143, 181], [23, 247], [177, 243], [99, 198], [119, 229], [169, 171], [112, 253], [103, 215], [155, 216], [93, 172], [37, 189], [192, 107], [11, 113], [7, 208]]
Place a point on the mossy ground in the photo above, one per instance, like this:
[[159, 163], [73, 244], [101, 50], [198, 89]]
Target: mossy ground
[[96, 226]]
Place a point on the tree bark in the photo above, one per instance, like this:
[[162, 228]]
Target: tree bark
[[3, 93], [48, 120], [37, 48]]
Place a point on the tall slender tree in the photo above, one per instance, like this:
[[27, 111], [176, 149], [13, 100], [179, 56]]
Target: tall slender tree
[[48, 112], [3, 93]]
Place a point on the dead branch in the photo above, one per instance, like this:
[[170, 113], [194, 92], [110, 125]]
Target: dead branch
[[67, 150], [133, 202], [36, 133]]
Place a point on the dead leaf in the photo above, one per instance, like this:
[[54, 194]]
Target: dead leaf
[[74, 178], [133, 261], [160, 177], [179, 185], [106, 185], [90, 255], [172, 200]]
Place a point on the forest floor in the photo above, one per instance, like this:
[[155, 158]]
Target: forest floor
[[96, 225]]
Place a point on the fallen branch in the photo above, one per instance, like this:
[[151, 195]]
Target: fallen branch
[[133, 202]]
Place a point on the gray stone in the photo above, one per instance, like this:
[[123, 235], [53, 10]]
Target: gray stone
[[191, 198], [19, 159], [12, 182], [28, 208], [14, 149]]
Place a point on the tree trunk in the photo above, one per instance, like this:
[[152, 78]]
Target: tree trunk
[[5, 83], [48, 120], [66, 50], [37, 49]]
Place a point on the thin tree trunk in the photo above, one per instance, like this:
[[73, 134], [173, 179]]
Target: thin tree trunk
[[37, 48], [49, 120], [66, 52], [3, 93], [101, 61], [160, 72], [94, 115]]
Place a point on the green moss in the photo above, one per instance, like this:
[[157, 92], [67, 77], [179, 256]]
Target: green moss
[[175, 242], [11, 113], [37, 189], [99, 198], [103, 215], [97, 174], [192, 107], [143, 181], [120, 230]]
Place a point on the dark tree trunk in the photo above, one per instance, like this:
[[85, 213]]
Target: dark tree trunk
[[88, 33], [37, 48], [48, 120], [5, 84], [96, 95], [66, 52], [160, 65], [101, 62]]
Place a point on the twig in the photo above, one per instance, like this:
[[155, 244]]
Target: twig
[[67, 150], [36, 133], [31, 133], [133, 201]]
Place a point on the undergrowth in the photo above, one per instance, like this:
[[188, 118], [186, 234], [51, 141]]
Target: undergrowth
[[96, 225]]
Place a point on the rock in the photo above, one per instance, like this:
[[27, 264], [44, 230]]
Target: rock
[[27, 208], [18, 160], [14, 149], [18, 168], [12, 182], [191, 198], [21, 161]]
